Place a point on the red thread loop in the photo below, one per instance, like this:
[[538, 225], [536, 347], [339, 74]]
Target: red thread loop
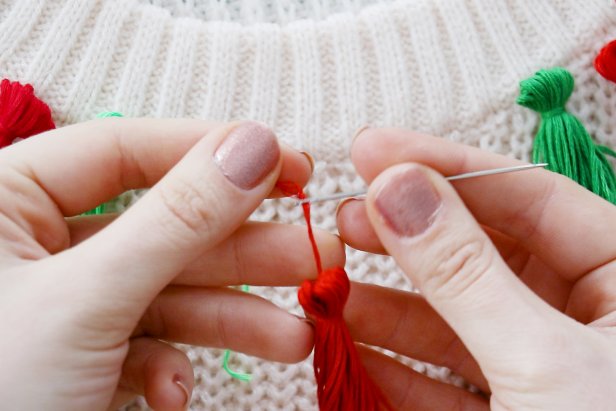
[[605, 62], [326, 296], [22, 114], [290, 188]]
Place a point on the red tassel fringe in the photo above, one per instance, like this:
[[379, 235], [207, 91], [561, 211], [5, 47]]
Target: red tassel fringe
[[22, 114], [605, 62], [342, 381]]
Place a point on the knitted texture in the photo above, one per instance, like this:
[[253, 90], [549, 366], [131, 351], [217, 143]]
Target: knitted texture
[[445, 67]]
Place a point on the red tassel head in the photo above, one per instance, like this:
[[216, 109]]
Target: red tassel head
[[605, 62], [325, 297], [22, 114], [342, 381]]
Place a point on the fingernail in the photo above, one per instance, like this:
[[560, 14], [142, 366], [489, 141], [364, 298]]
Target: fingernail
[[310, 159], [177, 380], [359, 131], [408, 203], [248, 154]]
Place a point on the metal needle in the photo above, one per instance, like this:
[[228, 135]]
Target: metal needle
[[463, 176]]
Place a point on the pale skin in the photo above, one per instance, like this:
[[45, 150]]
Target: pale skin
[[523, 307], [517, 275], [86, 301]]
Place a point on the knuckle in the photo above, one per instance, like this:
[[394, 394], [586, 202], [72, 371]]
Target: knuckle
[[239, 263], [187, 210], [153, 322], [223, 317], [459, 267], [537, 360], [399, 331], [541, 356]]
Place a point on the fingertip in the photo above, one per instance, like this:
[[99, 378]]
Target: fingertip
[[360, 148], [375, 149], [297, 166], [182, 392], [355, 228], [331, 247], [372, 148], [309, 158], [305, 334], [169, 389], [294, 341], [158, 371], [169, 395]]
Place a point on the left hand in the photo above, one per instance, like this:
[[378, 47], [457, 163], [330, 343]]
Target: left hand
[[84, 301]]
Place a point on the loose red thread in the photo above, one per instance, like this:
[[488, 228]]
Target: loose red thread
[[22, 114], [342, 381], [605, 62]]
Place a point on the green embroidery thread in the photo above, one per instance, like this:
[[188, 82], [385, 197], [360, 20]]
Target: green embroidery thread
[[225, 359], [101, 208]]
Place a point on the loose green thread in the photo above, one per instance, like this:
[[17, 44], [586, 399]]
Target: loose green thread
[[106, 114], [225, 359], [96, 211], [101, 208], [562, 141]]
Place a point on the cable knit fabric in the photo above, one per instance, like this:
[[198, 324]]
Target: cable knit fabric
[[314, 70]]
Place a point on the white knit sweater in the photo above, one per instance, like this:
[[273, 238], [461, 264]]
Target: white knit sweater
[[314, 70]]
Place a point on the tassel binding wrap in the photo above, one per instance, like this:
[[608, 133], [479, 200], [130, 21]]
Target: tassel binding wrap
[[562, 141], [22, 114], [343, 383]]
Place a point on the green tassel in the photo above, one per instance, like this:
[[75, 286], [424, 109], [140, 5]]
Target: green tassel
[[562, 141]]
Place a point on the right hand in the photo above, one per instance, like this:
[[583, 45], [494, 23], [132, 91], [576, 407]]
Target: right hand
[[88, 304], [517, 274]]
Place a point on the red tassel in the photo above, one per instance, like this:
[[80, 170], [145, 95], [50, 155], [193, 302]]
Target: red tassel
[[605, 62], [22, 114], [342, 381]]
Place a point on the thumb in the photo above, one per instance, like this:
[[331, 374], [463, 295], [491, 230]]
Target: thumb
[[200, 202], [425, 226]]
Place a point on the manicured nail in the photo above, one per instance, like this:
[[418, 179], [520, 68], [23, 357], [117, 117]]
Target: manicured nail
[[310, 159], [177, 380], [248, 154], [408, 203], [359, 131]]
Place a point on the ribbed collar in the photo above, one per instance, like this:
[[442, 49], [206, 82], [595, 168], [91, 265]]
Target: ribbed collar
[[429, 65]]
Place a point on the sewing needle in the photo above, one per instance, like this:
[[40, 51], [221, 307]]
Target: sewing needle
[[462, 176]]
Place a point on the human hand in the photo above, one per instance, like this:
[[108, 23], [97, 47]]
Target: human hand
[[85, 301], [517, 275]]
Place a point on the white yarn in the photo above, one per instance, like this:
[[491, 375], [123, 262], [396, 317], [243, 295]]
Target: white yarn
[[314, 70]]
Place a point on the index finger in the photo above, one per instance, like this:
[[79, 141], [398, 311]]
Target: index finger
[[100, 159], [568, 227]]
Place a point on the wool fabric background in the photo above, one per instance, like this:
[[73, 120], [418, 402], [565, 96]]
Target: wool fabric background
[[314, 70]]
